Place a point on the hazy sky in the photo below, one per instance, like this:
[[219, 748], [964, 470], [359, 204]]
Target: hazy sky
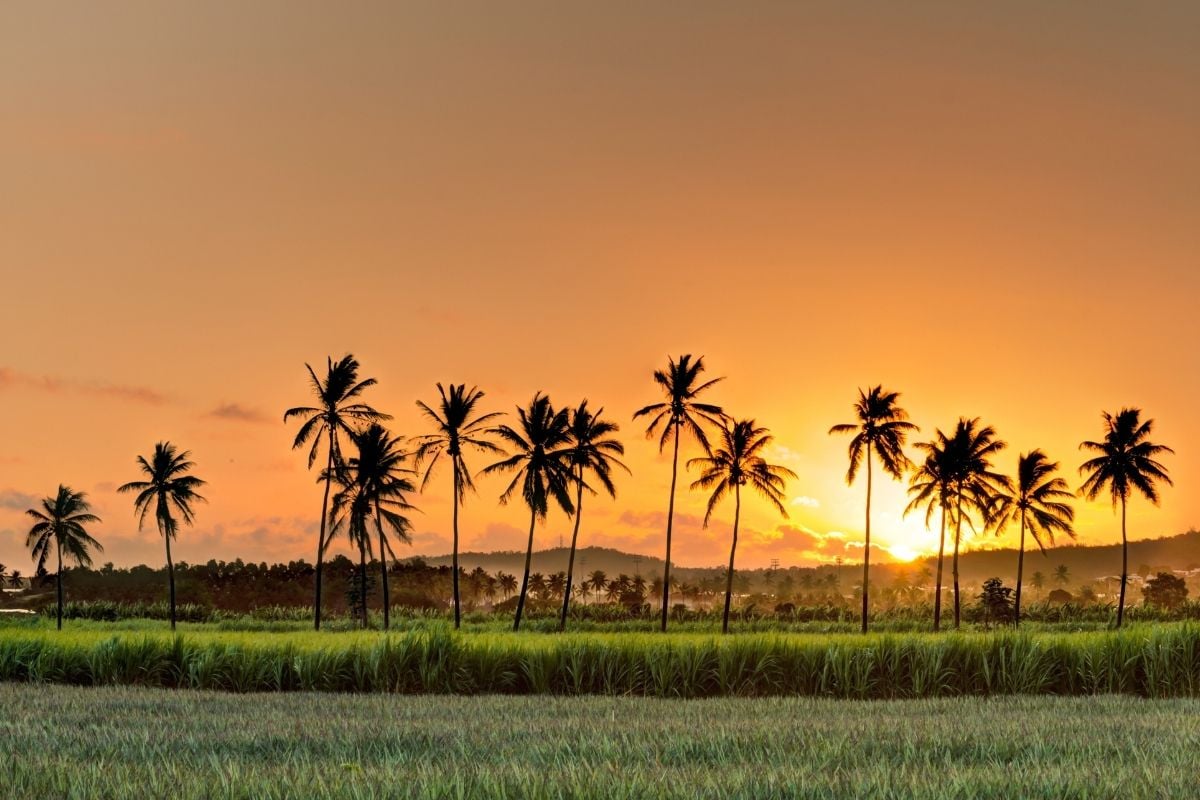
[[994, 209]]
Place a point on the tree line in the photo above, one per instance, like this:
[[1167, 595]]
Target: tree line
[[557, 455]]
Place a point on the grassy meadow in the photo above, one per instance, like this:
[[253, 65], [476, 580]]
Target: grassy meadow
[[125, 742]]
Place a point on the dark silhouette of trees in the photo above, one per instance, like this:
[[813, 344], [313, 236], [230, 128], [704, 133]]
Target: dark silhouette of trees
[[738, 462], [681, 413], [1126, 462], [881, 427], [1038, 501], [593, 454], [168, 486], [541, 458], [1165, 590], [375, 484], [338, 410], [458, 428], [60, 526]]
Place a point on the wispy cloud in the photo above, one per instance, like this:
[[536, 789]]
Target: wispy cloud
[[238, 413], [16, 501], [15, 379], [806, 502]]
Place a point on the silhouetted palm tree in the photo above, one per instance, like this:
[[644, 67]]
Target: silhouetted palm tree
[[374, 483], [597, 581], [968, 467], [60, 525], [929, 487], [508, 583], [458, 429], [681, 413], [336, 412], [1062, 575], [882, 427], [14, 579], [1127, 462], [1038, 501], [542, 460], [593, 453], [738, 462], [168, 487]]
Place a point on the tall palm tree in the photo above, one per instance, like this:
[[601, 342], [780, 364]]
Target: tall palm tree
[[1062, 575], [167, 486], [60, 525], [594, 453], [374, 483], [1037, 499], [508, 583], [339, 410], [681, 413], [597, 581], [881, 427], [14, 579], [541, 458], [930, 487], [738, 462], [458, 429], [968, 453], [1126, 463]]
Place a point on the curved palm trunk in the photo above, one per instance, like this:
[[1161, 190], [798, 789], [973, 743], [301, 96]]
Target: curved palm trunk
[[383, 570], [59, 582], [957, 537], [937, 598], [454, 567], [321, 539], [867, 549], [562, 621], [1124, 567], [170, 579], [666, 598], [1020, 572], [737, 514], [362, 581], [525, 580]]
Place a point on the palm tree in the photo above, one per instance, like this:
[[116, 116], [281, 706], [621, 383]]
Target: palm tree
[[738, 462], [593, 452], [168, 486], [541, 459], [508, 583], [974, 485], [14, 579], [374, 486], [1062, 575], [338, 410], [882, 426], [1037, 500], [931, 488], [1037, 580], [681, 413], [597, 581], [1127, 462], [458, 429], [60, 525]]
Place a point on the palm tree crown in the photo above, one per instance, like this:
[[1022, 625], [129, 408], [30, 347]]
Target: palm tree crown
[[881, 428], [459, 428], [168, 487], [1126, 460], [1036, 498], [681, 411], [334, 412], [737, 462]]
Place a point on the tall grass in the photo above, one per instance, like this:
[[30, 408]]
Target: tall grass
[[1149, 661]]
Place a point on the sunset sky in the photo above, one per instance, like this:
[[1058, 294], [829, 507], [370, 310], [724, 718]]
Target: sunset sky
[[992, 209]]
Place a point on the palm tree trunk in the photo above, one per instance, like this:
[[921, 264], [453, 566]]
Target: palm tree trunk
[[1020, 572], [362, 580], [321, 539], [957, 537], [170, 579], [666, 598], [525, 580], [454, 576], [737, 514], [937, 598], [59, 582], [384, 571], [867, 549], [562, 622], [1124, 567]]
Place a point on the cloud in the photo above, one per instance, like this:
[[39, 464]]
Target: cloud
[[500, 536], [806, 502], [658, 519], [238, 413], [16, 501], [13, 379]]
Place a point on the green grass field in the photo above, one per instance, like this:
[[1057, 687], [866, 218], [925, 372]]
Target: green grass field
[[73, 742]]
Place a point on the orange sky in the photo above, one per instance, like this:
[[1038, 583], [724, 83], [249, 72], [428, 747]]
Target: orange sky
[[991, 209]]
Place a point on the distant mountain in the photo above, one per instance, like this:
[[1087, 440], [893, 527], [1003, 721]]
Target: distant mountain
[[1084, 563]]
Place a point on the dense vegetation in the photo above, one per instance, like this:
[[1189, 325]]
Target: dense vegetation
[[135, 743], [1154, 661]]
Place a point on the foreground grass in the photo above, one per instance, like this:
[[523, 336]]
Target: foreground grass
[[73, 742]]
